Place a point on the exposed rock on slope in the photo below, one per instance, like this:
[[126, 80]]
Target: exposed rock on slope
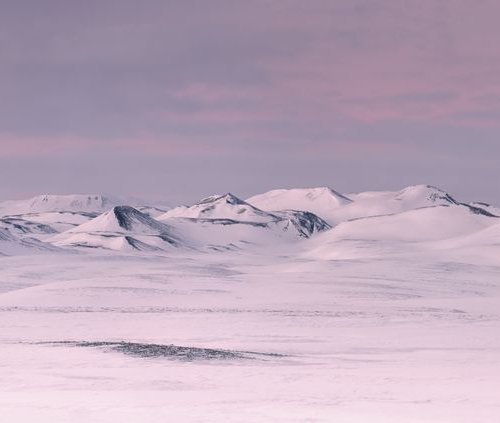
[[225, 206], [121, 228]]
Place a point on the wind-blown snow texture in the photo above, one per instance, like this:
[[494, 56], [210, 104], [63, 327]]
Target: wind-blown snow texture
[[294, 305]]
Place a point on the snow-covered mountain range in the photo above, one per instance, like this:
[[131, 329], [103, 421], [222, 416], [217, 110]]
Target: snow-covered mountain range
[[320, 220]]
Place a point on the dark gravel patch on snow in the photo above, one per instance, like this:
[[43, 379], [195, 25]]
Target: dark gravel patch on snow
[[176, 352]]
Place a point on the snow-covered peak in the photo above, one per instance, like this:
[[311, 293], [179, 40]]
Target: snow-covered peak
[[335, 208], [227, 198], [90, 203], [306, 224], [378, 203], [425, 195], [225, 206], [297, 196], [123, 219], [122, 228], [320, 201], [314, 193]]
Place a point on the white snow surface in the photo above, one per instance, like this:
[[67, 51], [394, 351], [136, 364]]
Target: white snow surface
[[392, 315]]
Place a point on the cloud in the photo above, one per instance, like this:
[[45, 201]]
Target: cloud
[[299, 81], [13, 145]]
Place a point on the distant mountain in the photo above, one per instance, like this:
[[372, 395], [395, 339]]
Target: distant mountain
[[412, 227], [10, 244], [228, 234], [59, 221], [425, 223], [410, 198], [152, 211], [306, 224], [321, 219], [225, 206], [21, 227], [389, 202], [231, 221], [335, 208], [423, 196], [320, 201], [121, 228], [93, 203]]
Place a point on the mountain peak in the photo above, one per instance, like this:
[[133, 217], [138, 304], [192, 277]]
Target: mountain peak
[[126, 215], [320, 200], [425, 193], [121, 228], [122, 219], [226, 206], [228, 198], [320, 191], [93, 203]]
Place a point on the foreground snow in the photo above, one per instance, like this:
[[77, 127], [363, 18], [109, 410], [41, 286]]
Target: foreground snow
[[406, 339]]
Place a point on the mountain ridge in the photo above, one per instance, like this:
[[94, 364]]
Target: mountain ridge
[[225, 221]]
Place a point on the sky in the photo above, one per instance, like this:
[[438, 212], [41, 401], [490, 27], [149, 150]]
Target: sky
[[174, 100]]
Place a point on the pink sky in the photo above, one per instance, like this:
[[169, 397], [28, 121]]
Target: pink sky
[[349, 84]]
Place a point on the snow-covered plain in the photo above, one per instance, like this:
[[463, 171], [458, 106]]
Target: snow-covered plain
[[379, 307]]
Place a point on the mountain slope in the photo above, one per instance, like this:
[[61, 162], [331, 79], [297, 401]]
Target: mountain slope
[[320, 201], [389, 202], [228, 234], [335, 208], [10, 244], [408, 229], [305, 224], [493, 210], [58, 221], [225, 221], [21, 227], [121, 228], [225, 206]]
